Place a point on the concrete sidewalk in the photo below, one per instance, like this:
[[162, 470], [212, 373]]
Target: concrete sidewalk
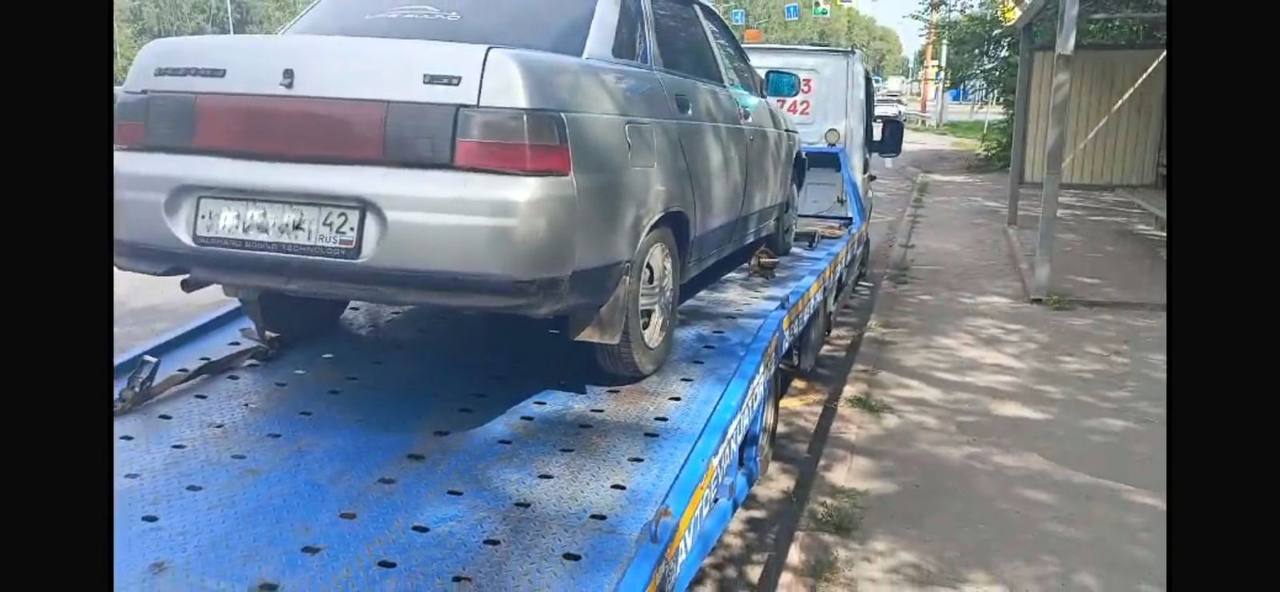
[[1108, 248], [984, 443]]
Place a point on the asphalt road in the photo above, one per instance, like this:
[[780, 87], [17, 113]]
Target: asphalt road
[[147, 306]]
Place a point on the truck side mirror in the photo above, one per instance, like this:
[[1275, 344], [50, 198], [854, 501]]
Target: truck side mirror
[[890, 143], [781, 84]]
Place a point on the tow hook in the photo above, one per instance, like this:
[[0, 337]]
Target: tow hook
[[764, 263]]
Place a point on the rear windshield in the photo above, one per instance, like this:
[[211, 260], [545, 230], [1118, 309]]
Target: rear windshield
[[559, 27]]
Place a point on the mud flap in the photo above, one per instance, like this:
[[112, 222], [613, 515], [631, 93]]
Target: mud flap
[[603, 325], [252, 307]]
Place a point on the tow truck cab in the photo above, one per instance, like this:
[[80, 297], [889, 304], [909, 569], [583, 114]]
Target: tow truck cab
[[835, 108]]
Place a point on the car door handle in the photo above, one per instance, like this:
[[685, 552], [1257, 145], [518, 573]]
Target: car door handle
[[684, 105]]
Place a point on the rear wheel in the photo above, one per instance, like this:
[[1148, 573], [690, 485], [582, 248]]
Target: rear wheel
[[649, 324], [784, 233], [294, 316]]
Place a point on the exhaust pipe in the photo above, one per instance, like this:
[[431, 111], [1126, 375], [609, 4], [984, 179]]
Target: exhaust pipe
[[189, 285]]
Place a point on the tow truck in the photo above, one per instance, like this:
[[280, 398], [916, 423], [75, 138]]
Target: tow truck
[[416, 450]]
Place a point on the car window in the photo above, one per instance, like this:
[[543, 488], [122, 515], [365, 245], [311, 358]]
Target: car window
[[738, 71], [630, 41], [682, 42], [508, 23]]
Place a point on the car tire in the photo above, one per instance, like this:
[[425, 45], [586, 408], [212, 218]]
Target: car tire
[[297, 316], [784, 233], [644, 346]]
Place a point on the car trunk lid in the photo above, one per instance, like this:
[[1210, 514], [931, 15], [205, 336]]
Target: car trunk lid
[[408, 70], [300, 97]]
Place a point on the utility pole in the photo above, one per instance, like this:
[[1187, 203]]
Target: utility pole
[[1055, 145], [942, 73], [231, 26], [926, 68]]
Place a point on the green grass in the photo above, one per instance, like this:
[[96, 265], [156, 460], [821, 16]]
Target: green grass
[[1056, 302], [869, 404], [969, 130], [840, 515], [825, 570]]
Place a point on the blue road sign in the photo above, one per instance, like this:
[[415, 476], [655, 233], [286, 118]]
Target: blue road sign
[[738, 16], [791, 11]]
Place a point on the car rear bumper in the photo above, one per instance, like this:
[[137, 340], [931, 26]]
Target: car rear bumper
[[443, 237], [541, 297]]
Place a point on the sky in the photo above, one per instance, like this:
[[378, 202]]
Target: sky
[[895, 14]]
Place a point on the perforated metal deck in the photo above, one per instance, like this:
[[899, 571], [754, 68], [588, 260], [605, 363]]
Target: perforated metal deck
[[422, 451]]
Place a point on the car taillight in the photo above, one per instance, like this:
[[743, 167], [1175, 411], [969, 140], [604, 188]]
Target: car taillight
[[512, 141], [297, 129], [131, 120]]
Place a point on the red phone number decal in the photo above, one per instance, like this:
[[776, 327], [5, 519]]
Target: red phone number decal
[[799, 106]]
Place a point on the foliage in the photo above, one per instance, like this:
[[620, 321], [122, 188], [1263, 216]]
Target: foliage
[[997, 145], [846, 27], [137, 22], [841, 514], [140, 21], [868, 403], [1106, 31], [980, 49]]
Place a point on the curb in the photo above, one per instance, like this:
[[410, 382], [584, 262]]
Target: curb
[[907, 223], [794, 575]]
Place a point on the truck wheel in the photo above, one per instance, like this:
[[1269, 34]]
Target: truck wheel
[[812, 338], [784, 234], [294, 316], [769, 429], [864, 260], [649, 324]]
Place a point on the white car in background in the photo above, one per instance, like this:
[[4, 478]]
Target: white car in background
[[889, 107]]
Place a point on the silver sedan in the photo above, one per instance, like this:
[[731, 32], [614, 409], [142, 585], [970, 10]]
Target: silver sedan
[[578, 163]]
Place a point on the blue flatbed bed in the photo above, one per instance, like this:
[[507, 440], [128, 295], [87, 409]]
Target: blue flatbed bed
[[412, 450]]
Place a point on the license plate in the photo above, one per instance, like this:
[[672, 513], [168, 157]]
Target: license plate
[[317, 230]]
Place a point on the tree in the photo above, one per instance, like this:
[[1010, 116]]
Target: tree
[[138, 22], [981, 49], [846, 27]]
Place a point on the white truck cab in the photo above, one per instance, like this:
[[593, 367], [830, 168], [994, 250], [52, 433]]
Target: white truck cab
[[835, 107]]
